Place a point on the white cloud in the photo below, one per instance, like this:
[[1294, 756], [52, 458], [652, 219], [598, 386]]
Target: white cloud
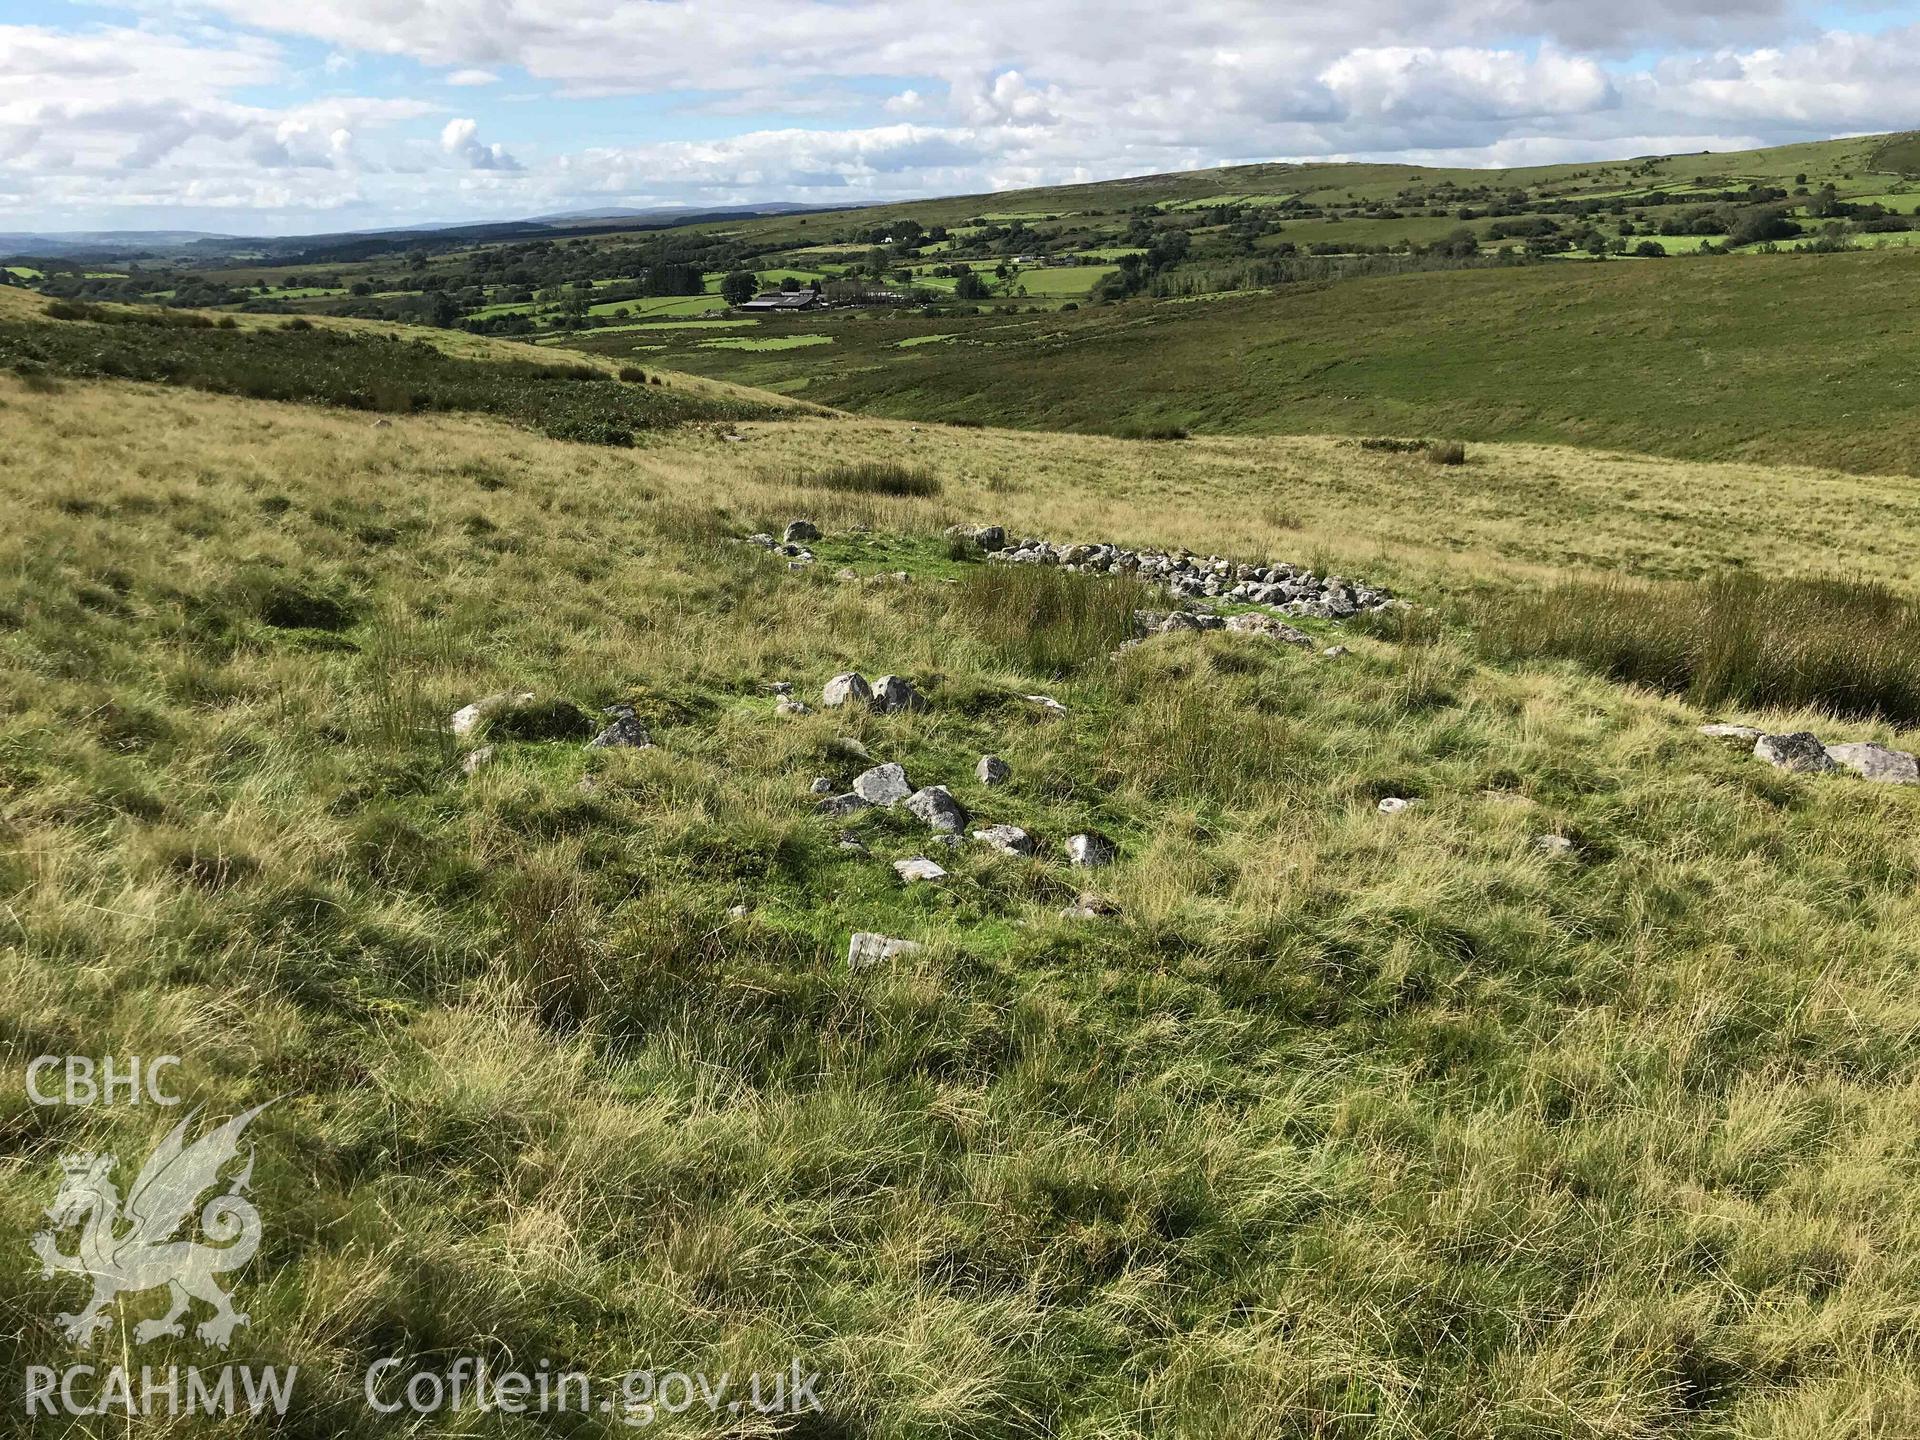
[[473, 77], [1404, 81], [461, 139]]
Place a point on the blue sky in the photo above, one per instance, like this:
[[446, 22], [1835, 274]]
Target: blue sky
[[258, 116]]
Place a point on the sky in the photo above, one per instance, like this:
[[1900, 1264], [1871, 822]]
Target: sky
[[290, 116]]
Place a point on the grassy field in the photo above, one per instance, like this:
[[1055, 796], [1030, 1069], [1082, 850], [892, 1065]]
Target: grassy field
[[1070, 281], [1345, 1126]]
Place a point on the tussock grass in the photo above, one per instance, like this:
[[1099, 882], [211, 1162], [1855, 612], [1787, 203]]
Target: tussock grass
[[1851, 648], [870, 477], [1047, 621], [1151, 430]]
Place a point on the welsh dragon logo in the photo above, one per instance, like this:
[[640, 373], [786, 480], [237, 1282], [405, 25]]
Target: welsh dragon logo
[[136, 1249]]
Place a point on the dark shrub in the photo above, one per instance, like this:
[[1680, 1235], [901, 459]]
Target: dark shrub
[[297, 324], [588, 430], [1447, 452], [318, 366], [633, 375], [395, 397], [286, 606], [1143, 431], [871, 477]]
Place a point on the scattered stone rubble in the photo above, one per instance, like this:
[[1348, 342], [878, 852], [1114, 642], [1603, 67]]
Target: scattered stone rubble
[[1801, 752], [1283, 588], [626, 731], [887, 694], [1287, 589]]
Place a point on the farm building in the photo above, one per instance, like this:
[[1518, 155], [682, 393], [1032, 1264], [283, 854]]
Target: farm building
[[785, 300]]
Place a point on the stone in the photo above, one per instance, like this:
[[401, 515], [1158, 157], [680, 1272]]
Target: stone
[[625, 733], [1739, 736], [801, 530], [763, 540], [1396, 805], [992, 770], [896, 692], [851, 748], [1335, 652], [1046, 703], [739, 912], [884, 785], [1090, 906], [1254, 623], [793, 707], [1007, 839], [1877, 762], [937, 808], [1799, 752], [821, 785], [467, 718], [781, 688], [1090, 849], [838, 807], [475, 759], [845, 688], [847, 840], [867, 949], [917, 869], [951, 841], [1553, 844]]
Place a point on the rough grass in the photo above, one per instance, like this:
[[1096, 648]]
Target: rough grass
[[1346, 1127], [1047, 621], [1847, 647]]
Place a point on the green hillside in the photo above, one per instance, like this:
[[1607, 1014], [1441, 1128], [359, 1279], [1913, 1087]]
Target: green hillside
[[1788, 358]]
